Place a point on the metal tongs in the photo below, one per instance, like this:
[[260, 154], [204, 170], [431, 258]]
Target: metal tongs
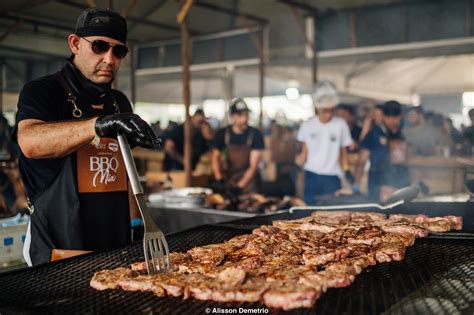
[[401, 196], [154, 241]]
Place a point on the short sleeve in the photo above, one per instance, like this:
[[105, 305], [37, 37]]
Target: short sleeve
[[367, 141], [301, 136], [219, 142], [346, 138], [35, 102], [257, 143]]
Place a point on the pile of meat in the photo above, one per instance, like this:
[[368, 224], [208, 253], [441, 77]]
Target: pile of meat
[[287, 265], [253, 203]]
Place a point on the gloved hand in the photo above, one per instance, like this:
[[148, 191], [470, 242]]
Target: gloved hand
[[138, 132], [350, 178], [235, 190], [218, 186]]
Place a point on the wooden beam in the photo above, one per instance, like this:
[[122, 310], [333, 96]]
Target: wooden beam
[[261, 85], [127, 10], [133, 78], [468, 10], [185, 59], [183, 13], [2, 84], [91, 3], [315, 52], [353, 29], [310, 42]]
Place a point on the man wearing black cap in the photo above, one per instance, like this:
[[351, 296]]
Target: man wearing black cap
[[240, 146], [70, 162], [386, 147]]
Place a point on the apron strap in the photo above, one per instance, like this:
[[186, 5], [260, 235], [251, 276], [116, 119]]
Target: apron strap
[[227, 137], [71, 98], [250, 138]]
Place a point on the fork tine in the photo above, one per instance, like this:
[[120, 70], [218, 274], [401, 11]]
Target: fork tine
[[168, 260], [152, 252], [162, 257], [159, 253], [147, 258]]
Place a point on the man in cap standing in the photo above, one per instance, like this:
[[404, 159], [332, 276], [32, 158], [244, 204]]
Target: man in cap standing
[[324, 137], [385, 146], [240, 146], [70, 162]]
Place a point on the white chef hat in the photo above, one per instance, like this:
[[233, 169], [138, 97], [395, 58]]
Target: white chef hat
[[325, 95]]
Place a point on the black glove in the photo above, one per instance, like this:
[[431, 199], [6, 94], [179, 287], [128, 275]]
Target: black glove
[[350, 178], [138, 132], [218, 186], [235, 190]]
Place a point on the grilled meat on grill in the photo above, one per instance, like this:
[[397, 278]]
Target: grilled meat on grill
[[288, 296], [286, 265], [109, 279]]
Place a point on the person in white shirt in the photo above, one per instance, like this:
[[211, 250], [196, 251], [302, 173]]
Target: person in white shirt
[[325, 139]]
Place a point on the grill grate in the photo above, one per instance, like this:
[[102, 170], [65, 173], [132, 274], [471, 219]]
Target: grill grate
[[436, 277]]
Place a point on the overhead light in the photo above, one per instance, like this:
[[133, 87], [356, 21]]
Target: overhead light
[[292, 93], [415, 100], [468, 99]]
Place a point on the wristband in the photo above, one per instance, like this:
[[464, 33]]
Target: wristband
[[136, 222]]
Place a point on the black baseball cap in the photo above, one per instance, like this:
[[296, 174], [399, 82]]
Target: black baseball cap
[[392, 108], [101, 22], [238, 105]]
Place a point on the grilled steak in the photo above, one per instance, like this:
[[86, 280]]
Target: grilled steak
[[402, 228], [455, 222], [324, 280], [290, 295], [324, 255], [109, 279], [143, 283], [386, 252]]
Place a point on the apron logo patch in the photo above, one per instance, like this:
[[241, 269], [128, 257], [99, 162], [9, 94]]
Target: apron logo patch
[[113, 147], [100, 168]]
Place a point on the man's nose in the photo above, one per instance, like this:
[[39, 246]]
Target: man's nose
[[109, 57]]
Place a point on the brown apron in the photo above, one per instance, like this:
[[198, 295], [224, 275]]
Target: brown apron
[[238, 161]]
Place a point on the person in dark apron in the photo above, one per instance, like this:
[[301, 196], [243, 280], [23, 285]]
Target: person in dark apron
[[239, 147], [70, 162], [387, 150]]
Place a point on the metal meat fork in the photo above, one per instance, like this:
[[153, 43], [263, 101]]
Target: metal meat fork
[[154, 241]]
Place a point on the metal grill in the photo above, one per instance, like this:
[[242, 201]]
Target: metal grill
[[436, 277]]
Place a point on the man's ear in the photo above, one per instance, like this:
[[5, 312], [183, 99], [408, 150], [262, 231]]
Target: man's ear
[[73, 41]]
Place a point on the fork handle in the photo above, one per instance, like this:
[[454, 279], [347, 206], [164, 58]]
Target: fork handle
[[130, 165]]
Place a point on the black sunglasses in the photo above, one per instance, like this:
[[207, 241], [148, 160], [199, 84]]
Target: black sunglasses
[[100, 47]]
